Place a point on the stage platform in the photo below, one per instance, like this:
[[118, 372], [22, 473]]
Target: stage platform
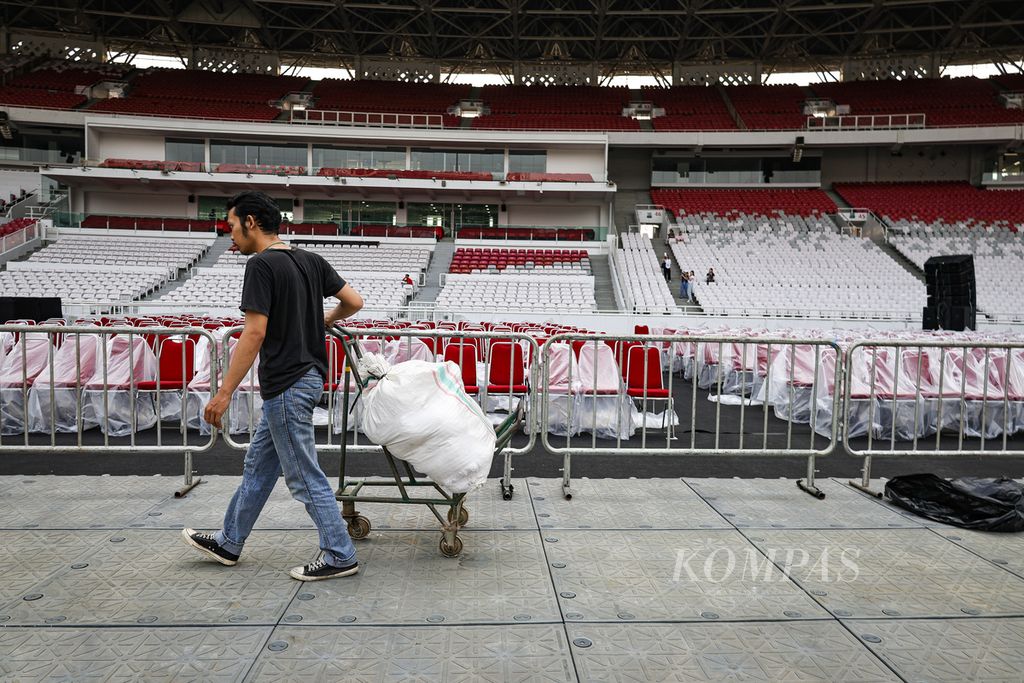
[[631, 580]]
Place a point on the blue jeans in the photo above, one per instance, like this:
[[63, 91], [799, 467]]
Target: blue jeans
[[284, 442], [684, 290]]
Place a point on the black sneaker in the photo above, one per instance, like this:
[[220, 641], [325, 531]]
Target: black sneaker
[[208, 545], [320, 570]]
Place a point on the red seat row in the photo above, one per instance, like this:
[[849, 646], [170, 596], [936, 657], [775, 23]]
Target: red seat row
[[544, 121], [943, 101], [721, 202], [466, 260], [552, 177], [182, 108], [938, 201], [261, 169], [16, 225], [42, 99], [499, 233], [424, 174], [434, 232], [151, 165], [148, 223]]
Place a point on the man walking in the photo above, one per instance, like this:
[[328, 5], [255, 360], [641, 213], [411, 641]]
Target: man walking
[[282, 297], [666, 268]]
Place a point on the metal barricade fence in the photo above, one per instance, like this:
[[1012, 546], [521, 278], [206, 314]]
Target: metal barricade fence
[[498, 369], [931, 396], [593, 382], [125, 381]]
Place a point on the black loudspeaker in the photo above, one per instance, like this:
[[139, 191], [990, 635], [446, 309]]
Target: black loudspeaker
[[191, 199], [929, 318], [952, 294], [401, 205], [504, 209], [29, 308], [297, 202]]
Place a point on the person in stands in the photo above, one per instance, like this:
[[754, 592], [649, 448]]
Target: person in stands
[[666, 267], [407, 280], [684, 286], [711, 276], [283, 292]]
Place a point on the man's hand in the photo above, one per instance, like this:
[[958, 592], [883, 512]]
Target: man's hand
[[216, 408], [329, 320]]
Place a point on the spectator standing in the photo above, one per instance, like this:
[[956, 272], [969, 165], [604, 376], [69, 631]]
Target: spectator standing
[[711, 276], [666, 267]]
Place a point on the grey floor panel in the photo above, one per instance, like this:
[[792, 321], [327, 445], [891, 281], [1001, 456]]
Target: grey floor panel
[[952, 650], [494, 654], [31, 555], [779, 503], [128, 654], [1006, 550], [766, 651], [894, 572], [153, 577], [622, 504], [487, 509], [50, 502], [669, 576], [878, 485], [204, 506], [403, 579]]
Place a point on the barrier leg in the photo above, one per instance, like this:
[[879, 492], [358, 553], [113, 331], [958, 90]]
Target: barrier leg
[[191, 481], [865, 483], [808, 484], [506, 478], [566, 491]]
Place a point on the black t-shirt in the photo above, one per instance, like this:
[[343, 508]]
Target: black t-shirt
[[289, 286]]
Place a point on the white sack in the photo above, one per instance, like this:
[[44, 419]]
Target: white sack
[[420, 411]]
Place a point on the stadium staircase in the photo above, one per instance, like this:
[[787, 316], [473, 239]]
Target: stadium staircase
[[604, 294], [729, 106], [440, 262], [899, 258], [219, 246]]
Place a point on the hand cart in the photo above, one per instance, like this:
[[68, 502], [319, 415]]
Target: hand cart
[[349, 489]]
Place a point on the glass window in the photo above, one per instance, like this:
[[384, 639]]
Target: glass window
[[184, 150], [358, 157], [527, 162], [224, 152], [452, 215], [485, 161], [215, 207]]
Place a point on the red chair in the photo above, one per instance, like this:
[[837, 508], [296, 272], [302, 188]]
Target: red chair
[[465, 356], [643, 377], [507, 370]]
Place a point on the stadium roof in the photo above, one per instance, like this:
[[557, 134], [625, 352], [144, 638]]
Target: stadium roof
[[614, 37]]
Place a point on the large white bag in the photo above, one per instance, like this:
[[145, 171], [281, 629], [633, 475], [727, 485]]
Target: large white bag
[[420, 411]]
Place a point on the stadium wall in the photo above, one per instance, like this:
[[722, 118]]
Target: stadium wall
[[543, 214], [150, 204], [908, 164], [124, 144]]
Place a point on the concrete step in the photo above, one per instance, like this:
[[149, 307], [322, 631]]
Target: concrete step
[[604, 294], [220, 245], [677, 273], [906, 263], [439, 263]]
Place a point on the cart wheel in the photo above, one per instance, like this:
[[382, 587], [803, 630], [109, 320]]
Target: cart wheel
[[463, 516], [452, 550], [359, 527], [506, 490]]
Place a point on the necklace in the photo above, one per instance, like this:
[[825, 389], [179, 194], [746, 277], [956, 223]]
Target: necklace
[[272, 244]]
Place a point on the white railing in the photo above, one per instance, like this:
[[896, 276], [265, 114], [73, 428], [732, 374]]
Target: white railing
[[324, 117], [866, 122]]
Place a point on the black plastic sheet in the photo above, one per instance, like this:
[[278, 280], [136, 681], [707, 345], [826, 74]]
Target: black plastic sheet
[[969, 502]]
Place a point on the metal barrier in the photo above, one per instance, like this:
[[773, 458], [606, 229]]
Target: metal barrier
[[901, 393], [60, 379], [591, 381], [488, 361]]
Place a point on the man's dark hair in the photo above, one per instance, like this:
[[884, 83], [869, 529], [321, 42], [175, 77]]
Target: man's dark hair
[[262, 208]]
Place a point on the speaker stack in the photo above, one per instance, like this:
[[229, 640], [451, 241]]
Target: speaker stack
[[952, 295]]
